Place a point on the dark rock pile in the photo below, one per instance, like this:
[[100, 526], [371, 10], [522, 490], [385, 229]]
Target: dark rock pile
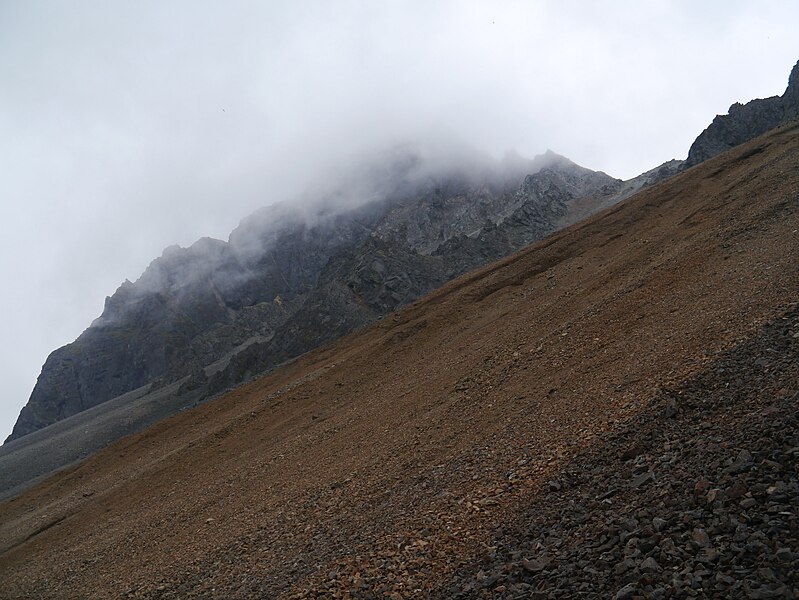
[[698, 497]]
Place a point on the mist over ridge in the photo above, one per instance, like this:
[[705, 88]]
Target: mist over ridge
[[366, 186], [356, 246], [365, 242], [126, 129]]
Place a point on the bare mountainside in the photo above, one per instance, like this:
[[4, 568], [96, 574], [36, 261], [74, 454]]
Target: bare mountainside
[[203, 319], [296, 275], [588, 416]]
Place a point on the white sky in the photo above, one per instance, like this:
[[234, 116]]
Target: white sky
[[129, 126]]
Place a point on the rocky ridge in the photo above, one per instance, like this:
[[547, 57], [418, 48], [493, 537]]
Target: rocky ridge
[[746, 121], [219, 312], [203, 319]]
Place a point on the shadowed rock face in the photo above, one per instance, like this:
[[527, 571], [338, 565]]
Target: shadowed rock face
[[746, 121], [287, 281]]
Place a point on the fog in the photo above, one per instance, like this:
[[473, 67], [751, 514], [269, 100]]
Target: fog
[[126, 127]]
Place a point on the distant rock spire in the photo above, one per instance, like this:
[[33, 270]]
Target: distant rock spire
[[790, 99]]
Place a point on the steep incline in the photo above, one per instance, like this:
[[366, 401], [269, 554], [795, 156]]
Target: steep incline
[[390, 462]]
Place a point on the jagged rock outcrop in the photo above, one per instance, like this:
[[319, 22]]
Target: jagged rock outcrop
[[746, 121], [396, 264], [191, 307], [290, 279]]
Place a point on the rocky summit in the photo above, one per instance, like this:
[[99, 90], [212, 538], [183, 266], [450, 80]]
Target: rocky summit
[[746, 121], [295, 275]]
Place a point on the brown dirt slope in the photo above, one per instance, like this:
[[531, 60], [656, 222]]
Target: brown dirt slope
[[389, 463]]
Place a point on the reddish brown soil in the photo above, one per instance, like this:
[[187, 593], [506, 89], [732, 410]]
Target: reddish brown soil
[[379, 463]]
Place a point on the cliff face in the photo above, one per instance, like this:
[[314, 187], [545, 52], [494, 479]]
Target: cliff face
[[288, 280], [746, 121]]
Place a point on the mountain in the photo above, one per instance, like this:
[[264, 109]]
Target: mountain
[[610, 412], [746, 121], [293, 276]]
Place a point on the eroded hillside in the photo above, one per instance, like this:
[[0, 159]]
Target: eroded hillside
[[406, 460]]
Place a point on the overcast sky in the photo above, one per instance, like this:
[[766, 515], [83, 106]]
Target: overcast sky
[[129, 126]]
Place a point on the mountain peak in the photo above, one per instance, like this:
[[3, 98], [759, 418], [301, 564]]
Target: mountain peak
[[745, 121], [790, 99], [391, 231]]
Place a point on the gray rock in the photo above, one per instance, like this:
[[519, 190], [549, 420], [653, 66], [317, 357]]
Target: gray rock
[[708, 555], [649, 565], [748, 503], [671, 409], [700, 536], [642, 479], [627, 592], [784, 555], [745, 122], [622, 567], [534, 566]]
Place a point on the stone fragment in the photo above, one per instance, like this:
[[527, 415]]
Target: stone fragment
[[701, 485], [632, 452], [627, 592], [784, 555], [642, 479], [671, 409], [533, 566], [649, 565], [736, 490], [700, 536], [708, 555], [747, 503]]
